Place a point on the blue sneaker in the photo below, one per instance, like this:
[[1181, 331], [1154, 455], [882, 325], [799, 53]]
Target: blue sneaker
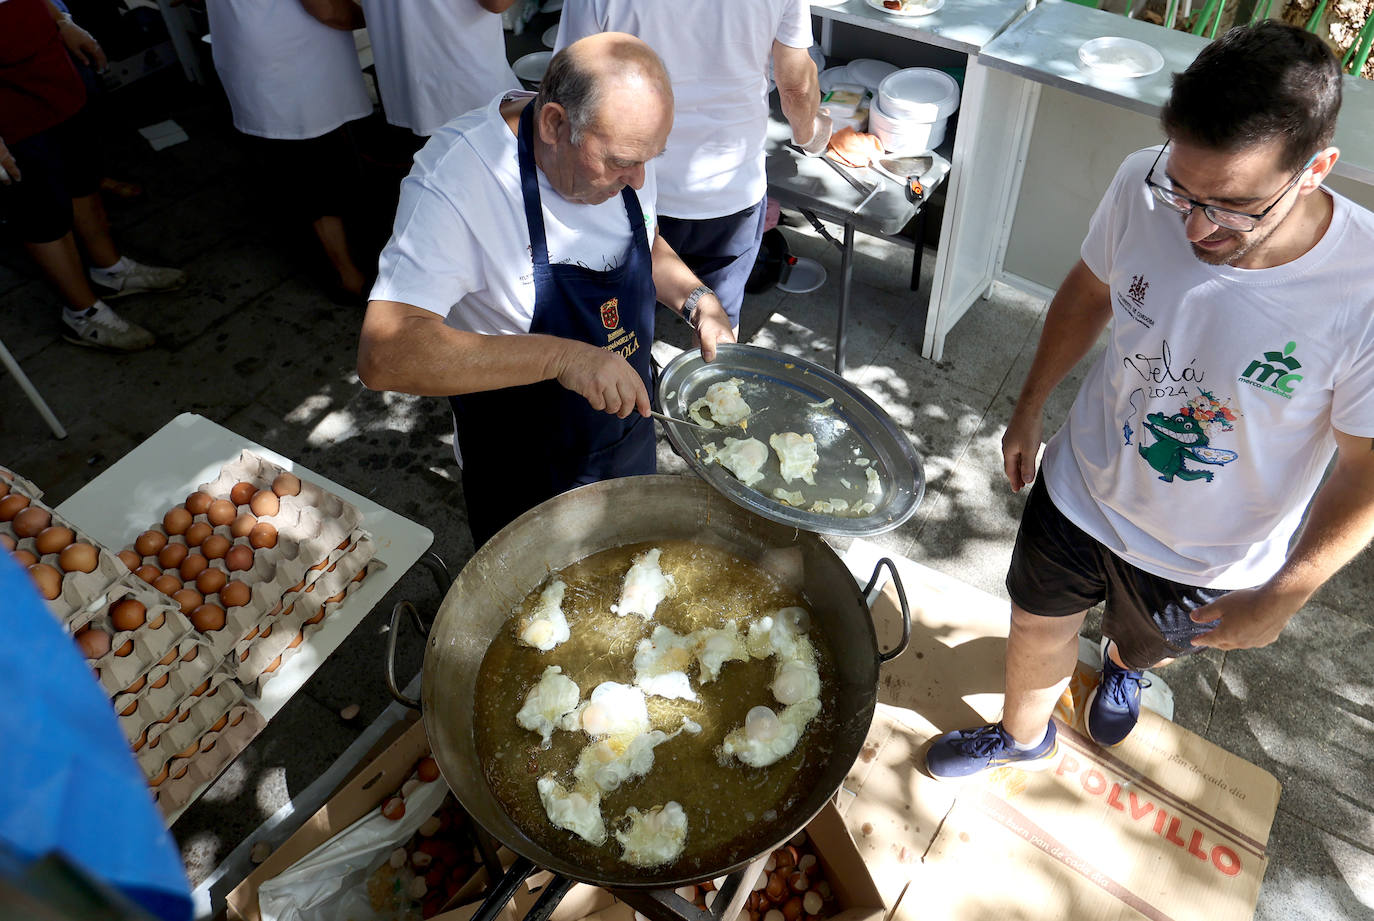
[[1114, 705], [966, 752]]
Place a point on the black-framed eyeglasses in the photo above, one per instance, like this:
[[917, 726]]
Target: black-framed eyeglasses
[[1222, 217]]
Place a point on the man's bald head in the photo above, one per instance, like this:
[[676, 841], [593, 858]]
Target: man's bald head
[[588, 76]]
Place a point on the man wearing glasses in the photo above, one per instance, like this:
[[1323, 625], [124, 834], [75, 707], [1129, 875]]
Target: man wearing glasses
[[1239, 360]]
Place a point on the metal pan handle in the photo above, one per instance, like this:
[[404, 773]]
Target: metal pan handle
[[506, 887], [901, 599], [391, 684]]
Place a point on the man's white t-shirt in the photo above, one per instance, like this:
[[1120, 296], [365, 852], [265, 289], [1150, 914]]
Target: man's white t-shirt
[[717, 53], [1236, 373], [287, 75], [460, 246], [436, 59]]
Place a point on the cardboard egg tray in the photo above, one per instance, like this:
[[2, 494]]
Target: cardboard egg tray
[[77, 588], [15, 481], [278, 635], [186, 670], [164, 628]]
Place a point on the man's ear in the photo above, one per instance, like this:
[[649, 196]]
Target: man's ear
[[552, 122], [1321, 168]]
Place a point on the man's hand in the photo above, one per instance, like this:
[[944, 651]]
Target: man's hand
[[605, 378], [81, 44], [1249, 618], [7, 163], [712, 326], [1020, 445]]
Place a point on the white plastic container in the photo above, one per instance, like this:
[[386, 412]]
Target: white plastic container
[[912, 108]]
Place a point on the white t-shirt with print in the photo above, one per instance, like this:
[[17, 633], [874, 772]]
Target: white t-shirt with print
[[717, 53], [460, 246], [1229, 379], [436, 59]]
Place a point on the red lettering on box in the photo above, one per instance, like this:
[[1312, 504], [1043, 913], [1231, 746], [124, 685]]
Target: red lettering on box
[[1159, 821], [1139, 810], [1067, 765], [1225, 860], [1112, 799], [1172, 834], [1195, 845], [1094, 784]]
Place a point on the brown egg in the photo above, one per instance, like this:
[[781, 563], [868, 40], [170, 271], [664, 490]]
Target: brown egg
[[150, 542], [157, 779], [93, 642], [4, 489], [207, 618], [130, 709], [32, 521], [168, 584], [335, 599], [78, 557], [215, 547], [161, 680], [196, 533], [265, 503], [250, 634], [177, 520], [266, 632], [172, 555], [220, 723], [300, 637], [238, 718], [242, 492], [235, 594], [343, 544], [148, 573], [273, 665], [170, 656], [25, 558], [287, 484], [360, 575], [201, 688], [188, 599], [128, 614], [263, 536], [124, 650], [12, 505], [53, 538], [211, 581], [316, 617], [142, 740], [243, 525], [221, 511], [239, 558], [130, 559], [48, 580], [198, 503], [192, 566], [6, 541], [191, 654], [157, 620], [137, 686], [189, 750]]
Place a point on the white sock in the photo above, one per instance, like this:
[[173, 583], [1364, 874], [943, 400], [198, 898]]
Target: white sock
[[123, 265], [1025, 747], [73, 314]]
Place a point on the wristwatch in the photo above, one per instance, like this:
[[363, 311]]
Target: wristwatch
[[689, 306]]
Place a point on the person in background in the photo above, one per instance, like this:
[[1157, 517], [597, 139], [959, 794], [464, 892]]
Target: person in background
[[68, 780], [50, 187], [291, 72], [522, 276], [712, 188], [437, 59], [1239, 362]]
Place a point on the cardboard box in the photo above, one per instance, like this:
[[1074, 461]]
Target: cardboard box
[[1164, 826]]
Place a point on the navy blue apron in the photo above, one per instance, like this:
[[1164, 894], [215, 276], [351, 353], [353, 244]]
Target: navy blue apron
[[523, 445]]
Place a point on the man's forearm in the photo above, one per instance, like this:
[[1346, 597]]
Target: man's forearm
[[1080, 310], [673, 280]]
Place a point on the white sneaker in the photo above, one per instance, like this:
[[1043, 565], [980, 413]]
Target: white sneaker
[[135, 279], [102, 328]]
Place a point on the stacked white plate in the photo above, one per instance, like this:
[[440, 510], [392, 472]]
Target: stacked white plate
[[911, 109]]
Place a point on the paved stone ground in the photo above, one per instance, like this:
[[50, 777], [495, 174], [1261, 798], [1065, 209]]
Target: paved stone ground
[[256, 344]]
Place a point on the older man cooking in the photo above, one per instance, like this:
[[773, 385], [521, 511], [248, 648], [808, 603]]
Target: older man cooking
[[521, 277]]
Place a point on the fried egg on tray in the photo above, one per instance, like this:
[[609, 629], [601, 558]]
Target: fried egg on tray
[[548, 703], [661, 663], [723, 402], [790, 497], [645, 586], [797, 456], [744, 457], [576, 811], [655, 837], [546, 627]]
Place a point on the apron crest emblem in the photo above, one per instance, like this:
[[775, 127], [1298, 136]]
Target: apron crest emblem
[[610, 313]]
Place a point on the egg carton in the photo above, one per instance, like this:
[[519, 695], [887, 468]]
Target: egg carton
[[186, 776], [258, 657], [187, 721], [186, 670], [259, 471], [13, 480], [75, 589], [164, 627]]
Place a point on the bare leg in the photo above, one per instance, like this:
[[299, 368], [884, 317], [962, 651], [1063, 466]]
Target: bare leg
[[330, 230], [61, 265], [1115, 656], [1041, 655], [93, 229]]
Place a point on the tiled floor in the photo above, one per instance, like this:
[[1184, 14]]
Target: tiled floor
[[255, 345]]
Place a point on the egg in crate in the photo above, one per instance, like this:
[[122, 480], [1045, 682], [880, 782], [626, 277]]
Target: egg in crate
[[177, 520], [12, 505], [197, 533], [149, 543], [198, 503], [172, 556], [242, 492], [92, 641], [47, 579], [188, 599], [30, 522], [128, 614], [53, 538], [221, 512], [287, 484]]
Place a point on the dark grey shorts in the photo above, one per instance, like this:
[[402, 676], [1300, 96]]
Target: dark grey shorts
[[1057, 569]]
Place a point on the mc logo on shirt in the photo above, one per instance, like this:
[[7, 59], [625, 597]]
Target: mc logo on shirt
[[1275, 373]]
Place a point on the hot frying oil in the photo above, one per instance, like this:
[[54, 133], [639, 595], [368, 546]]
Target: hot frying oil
[[730, 808]]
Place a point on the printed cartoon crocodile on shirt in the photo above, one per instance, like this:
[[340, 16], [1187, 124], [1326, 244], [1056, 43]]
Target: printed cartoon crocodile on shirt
[[1179, 436]]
